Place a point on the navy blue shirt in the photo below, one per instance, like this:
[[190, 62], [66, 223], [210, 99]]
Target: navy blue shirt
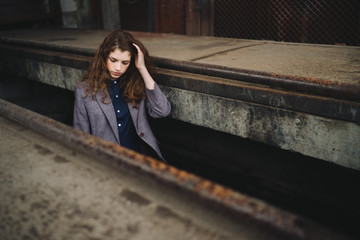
[[127, 132]]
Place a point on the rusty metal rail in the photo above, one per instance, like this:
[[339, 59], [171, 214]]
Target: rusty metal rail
[[300, 84], [192, 200]]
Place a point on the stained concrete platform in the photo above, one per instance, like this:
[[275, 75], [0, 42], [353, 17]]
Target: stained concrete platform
[[49, 191], [338, 64], [59, 183]]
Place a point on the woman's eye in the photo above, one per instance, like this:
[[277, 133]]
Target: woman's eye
[[126, 63], [112, 60]]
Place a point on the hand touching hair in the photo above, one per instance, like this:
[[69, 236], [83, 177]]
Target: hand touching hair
[[132, 81]]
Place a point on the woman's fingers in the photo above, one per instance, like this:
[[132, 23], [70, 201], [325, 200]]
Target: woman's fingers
[[139, 58]]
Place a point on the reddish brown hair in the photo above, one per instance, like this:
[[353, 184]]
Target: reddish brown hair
[[98, 75]]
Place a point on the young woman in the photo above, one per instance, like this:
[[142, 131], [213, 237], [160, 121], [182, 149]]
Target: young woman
[[117, 92]]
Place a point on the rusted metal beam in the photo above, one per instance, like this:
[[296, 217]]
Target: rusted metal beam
[[300, 84]]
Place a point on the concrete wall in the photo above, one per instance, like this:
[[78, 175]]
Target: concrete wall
[[77, 13], [323, 138]]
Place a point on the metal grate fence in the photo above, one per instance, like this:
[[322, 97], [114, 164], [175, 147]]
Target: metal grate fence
[[307, 21]]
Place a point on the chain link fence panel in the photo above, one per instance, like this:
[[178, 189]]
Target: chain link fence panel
[[305, 21]]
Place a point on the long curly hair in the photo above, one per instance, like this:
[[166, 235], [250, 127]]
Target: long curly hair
[[131, 81]]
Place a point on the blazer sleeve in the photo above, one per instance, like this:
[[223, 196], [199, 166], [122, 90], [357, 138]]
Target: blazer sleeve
[[81, 119], [157, 104]]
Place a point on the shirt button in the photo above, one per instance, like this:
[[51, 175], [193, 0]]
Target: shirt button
[[117, 96], [119, 124], [115, 82], [118, 110]]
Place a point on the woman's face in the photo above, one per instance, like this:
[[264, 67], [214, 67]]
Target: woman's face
[[118, 62]]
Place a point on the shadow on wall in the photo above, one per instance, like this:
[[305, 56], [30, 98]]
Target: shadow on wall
[[53, 102]]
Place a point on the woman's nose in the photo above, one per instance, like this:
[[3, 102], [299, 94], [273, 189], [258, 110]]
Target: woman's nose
[[118, 67]]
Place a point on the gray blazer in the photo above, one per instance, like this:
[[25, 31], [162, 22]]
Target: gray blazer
[[99, 119]]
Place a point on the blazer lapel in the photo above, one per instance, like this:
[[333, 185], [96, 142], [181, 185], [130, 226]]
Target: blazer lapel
[[109, 113]]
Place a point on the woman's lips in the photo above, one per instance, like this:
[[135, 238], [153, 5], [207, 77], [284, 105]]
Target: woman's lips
[[116, 73]]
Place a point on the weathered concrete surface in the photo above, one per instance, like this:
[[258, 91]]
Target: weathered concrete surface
[[324, 138], [333, 63], [76, 14], [52, 74], [291, 120], [49, 191], [53, 191]]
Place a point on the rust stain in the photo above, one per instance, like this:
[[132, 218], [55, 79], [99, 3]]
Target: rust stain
[[308, 80]]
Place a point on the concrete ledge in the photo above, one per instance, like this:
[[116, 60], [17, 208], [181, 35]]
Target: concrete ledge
[[323, 70], [303, 102]]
